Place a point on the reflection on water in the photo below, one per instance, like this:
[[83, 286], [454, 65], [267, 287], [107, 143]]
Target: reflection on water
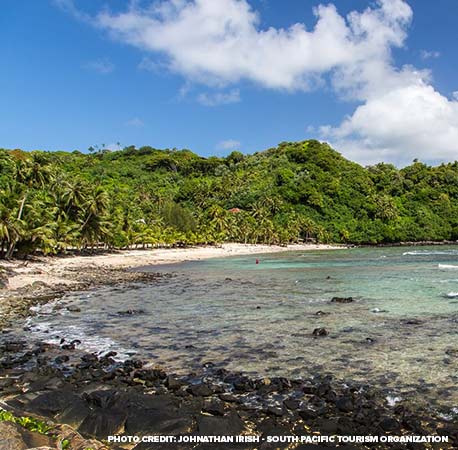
[[400, 331]]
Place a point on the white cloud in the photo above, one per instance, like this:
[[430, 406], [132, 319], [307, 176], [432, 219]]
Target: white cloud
[[230, 144], [430, 54], [219, 98], [102, 66], [135, 122], [220, 43]]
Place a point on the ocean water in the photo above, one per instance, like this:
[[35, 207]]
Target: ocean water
[[400, 333]]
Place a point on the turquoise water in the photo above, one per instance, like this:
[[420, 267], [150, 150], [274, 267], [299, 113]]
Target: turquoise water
[[400, 332]]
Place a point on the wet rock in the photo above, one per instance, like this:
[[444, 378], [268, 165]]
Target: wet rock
[[327, 426], [292, 404], [308, 414], [200, 390], [73, 308], [13, 346], [130, 312], [342, 300], [389, 424], [230, 424], [151, 375], [130, 364], [6, 382], [344, 404], [173, 383], [215, 408], [322, 313], [411, 322], [61, 359], [274, 411], [320, 332], [229, 398]]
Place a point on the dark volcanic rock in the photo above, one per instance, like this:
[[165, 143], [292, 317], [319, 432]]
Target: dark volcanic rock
[[344, 404], [101, 423], [200, 390], [173, 383], [229, 398], [157, 421], [51, 403], [389, 424], [342, 300], [292, 403], [214, 407], [230, 424], [104, 399], [320, 332], [130, 312], [74, 414]]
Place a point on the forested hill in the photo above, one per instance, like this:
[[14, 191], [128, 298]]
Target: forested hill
[[297, 191]]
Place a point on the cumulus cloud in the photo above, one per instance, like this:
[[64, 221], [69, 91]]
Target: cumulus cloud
[[220, 43], [219, 98]]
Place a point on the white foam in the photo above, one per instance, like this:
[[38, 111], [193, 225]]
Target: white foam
[[429, 253], [452, 294], [46, 332], [392, 400], [447, 267]]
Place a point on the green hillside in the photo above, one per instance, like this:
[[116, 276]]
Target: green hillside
[[51, 201]]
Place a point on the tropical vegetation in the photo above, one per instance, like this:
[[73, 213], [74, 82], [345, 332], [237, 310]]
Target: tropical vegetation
[[53, 202]]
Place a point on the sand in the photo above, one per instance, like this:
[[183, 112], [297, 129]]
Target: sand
[[61, 270]]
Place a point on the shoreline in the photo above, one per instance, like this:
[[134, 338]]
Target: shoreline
[[38, 280], [54, 269], [94, 396]]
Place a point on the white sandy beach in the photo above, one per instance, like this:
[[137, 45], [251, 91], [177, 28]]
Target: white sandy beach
[[59, 270]]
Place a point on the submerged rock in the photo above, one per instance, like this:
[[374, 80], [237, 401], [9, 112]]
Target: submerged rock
[[342, 300], [320, 332], [130, 312]]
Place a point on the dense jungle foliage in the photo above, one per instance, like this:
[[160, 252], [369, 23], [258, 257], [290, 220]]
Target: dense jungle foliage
[[53, 201]]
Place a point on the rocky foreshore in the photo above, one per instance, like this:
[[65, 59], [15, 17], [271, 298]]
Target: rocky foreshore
[[99, 396], [15, 304]]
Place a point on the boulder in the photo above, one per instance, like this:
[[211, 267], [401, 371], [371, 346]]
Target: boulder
[[200, 390], [51, 403], [101, 423], [230, 424]]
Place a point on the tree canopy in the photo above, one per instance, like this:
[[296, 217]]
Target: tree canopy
[[52, 201]]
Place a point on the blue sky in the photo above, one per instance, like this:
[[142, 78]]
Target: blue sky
[[376, 79]]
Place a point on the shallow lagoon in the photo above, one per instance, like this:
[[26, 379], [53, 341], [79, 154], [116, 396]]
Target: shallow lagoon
[[399, 333]]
